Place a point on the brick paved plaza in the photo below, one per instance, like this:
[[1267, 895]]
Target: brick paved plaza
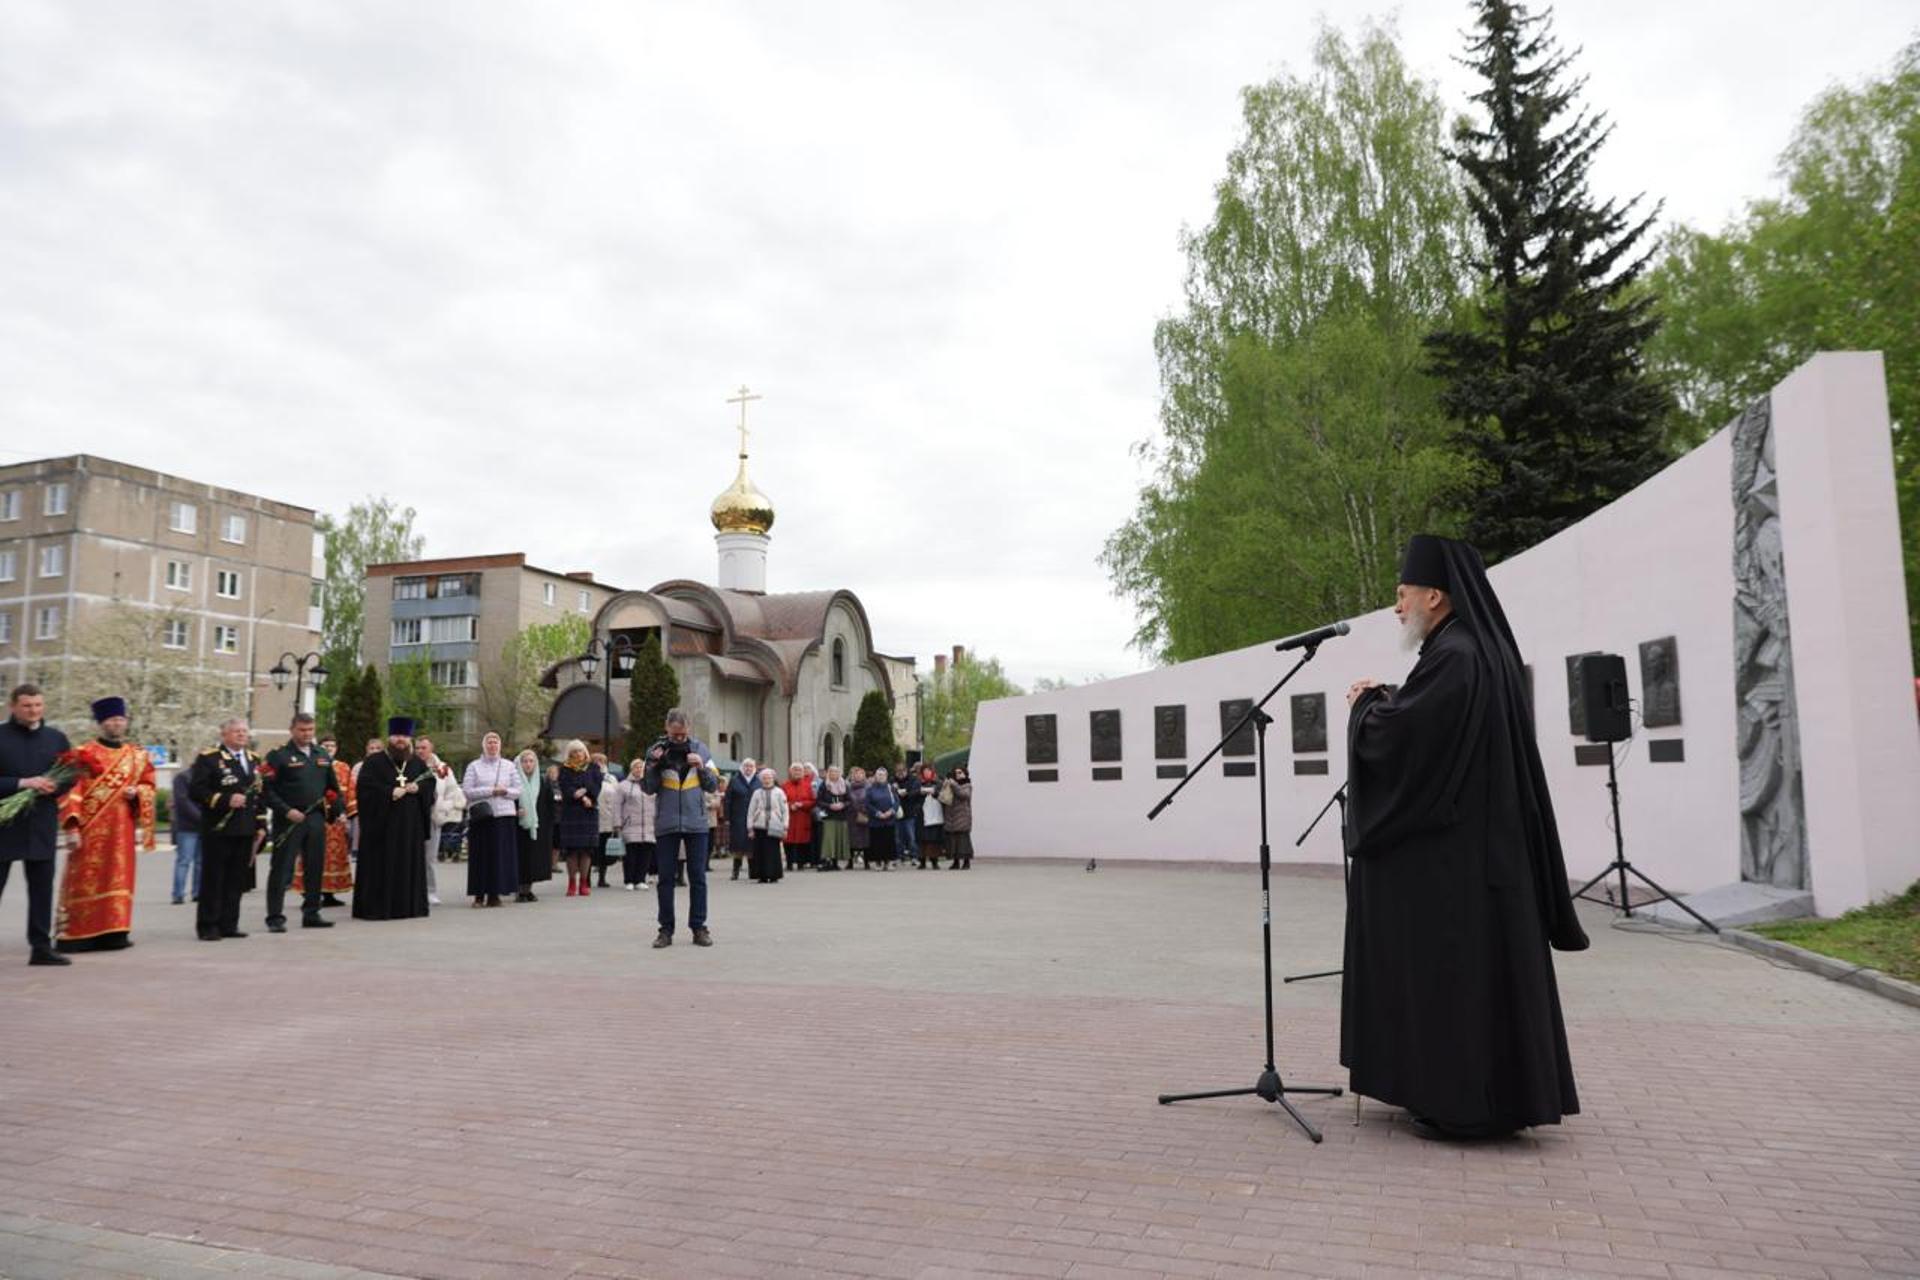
[[905, 1074]]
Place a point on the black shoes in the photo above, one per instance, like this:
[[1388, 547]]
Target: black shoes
[[236, 933], [276, 926], [1440, 1131], [330, 901], [662, 939], [702, 938], [315, 922], [48, 957]]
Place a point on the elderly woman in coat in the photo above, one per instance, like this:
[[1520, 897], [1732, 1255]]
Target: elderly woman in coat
[[767, 818], [958, 798]]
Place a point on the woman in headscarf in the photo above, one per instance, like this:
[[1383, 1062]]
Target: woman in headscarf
[[579, 816], [859, 837], [836, 808], [534, 812]]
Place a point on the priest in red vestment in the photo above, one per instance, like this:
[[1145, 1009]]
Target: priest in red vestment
[[108, 809], [338, 876]]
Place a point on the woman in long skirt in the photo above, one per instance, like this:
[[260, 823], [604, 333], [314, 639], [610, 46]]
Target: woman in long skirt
[[836, 806], [492, 788], [533, 813], [857, 837], [767, 821], [883, 813]]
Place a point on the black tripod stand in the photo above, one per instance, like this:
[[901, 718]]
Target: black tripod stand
[[1624, 868], [1269, 1086], [1346, 869]]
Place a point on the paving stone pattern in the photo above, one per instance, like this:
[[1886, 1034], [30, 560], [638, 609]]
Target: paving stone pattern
[[911, 1074]]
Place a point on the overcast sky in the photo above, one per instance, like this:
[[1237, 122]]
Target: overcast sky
[[505, 262]]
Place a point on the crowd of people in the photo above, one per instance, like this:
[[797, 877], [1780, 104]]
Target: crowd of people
[[322, 827]]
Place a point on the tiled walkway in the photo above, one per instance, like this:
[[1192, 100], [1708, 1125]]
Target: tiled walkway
[[906, 1074]]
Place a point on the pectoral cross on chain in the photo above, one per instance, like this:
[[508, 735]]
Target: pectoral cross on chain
[[742, 398]]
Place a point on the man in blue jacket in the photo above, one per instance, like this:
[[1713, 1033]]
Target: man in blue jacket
[[680, 775], [28, 748]]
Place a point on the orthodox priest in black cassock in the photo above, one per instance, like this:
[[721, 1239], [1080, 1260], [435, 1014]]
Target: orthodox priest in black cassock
[[1458, 888], [395, 798]]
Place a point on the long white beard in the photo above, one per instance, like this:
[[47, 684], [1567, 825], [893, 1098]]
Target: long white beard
[[1413, 632]]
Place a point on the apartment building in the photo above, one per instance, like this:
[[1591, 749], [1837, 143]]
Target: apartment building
[[177, 594], [460, 613]]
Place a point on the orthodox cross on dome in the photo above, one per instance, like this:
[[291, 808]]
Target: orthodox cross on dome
[[743, 397]]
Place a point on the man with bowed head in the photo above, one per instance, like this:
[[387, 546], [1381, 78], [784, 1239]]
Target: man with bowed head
[[1459, 887], [679, 776]]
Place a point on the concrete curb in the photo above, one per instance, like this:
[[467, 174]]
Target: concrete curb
[[1846, 971]]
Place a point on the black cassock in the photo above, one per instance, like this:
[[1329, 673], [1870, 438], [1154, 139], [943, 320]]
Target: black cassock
[[1449, 1007], [390, 881]]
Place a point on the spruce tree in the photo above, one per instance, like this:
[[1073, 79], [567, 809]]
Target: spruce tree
[[873, 744], [1544, 375], [652, 690], [357, 712]]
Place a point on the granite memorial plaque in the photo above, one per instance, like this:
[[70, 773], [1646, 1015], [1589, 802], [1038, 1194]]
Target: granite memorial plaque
[[1043, 739], [1309, 722], [1241, 743], [1170, 734], [1104, 728], [1660, 683]]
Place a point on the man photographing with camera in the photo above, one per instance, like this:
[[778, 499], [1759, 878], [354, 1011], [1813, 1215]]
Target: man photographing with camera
[[679, 775]]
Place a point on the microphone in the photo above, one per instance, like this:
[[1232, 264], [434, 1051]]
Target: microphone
[[1308, 639]]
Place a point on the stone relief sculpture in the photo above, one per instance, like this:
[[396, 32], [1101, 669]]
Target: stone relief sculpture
[[1309, 722], [1103, 728], [1170, 732], [1043, 739], [1660, 683], [1773, 828]]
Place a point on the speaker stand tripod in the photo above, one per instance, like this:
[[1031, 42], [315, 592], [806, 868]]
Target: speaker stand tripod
[[1269, 1086], [1346, 870], [1621, 867]]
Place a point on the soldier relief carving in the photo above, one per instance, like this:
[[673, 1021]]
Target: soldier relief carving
[[1773, 829]]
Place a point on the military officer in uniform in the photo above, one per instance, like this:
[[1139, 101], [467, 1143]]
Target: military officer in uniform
[[226, 784], [298, 777]]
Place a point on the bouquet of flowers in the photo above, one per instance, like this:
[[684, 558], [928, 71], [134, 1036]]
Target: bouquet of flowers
[[67, 767]]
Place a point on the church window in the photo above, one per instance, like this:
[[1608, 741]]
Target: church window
[[734, 747], [826, 752], [839, 663], [846, 748]]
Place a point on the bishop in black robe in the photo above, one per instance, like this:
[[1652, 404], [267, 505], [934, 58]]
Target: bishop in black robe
[[1458, 886], [390, 882]]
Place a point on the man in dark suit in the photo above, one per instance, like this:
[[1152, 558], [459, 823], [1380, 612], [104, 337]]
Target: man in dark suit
[[28, 748], [227, 786]]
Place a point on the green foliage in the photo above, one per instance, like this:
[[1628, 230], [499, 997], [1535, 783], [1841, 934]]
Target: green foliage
[[1301, 437], [411, 692], [511, 700], [1833, 264], [1884, 935], [1545, 376], [372, 532], [358, 711], [652, 690], [950, 698], [118, 649], [873, 744]]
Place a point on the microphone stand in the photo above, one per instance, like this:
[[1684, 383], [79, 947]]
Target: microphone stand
[[1269, 1086], [1346, 868]]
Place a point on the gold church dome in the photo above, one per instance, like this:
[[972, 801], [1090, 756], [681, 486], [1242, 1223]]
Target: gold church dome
[[742, 508]]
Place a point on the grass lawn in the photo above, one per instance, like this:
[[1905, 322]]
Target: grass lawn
[[1883, 936]]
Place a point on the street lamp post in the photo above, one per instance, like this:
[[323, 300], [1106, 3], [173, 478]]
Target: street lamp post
[[299, 670], [620, 652]]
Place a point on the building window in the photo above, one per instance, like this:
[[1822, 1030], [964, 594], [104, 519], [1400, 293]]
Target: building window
[[408, 631], [226, 584], [586, 603], [10, 505], [233, 529], [546, 592], [7, 569], [183, 517], [53, 561], [455, 630], [846, 749], [46, 622], [826, 752], [173, 633], [409, 588], [179, 575], [839, 664], [226, 639], [454, 584], [6, 628], [56, 501], [454, 675]]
